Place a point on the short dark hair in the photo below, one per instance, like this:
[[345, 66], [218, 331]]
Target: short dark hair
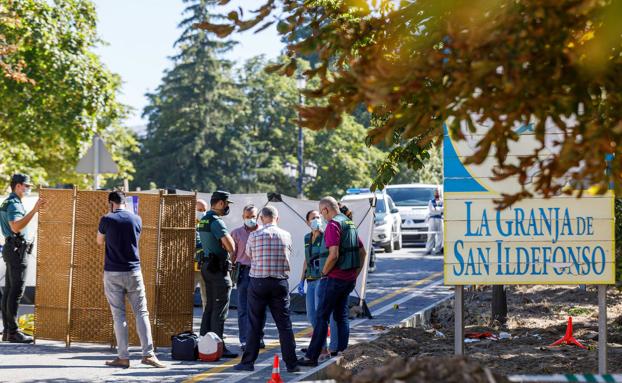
[[269, 212], [117, 197]]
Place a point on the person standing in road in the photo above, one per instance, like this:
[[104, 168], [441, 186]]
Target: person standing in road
[[242, 264], [315, 250], [435, 225], [346, 257], [218, 245], [15, 252], [201, 209], [270, 249], [120, 231]]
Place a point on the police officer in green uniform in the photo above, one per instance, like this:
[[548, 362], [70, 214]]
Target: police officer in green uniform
[[218, 246], [13, 222]]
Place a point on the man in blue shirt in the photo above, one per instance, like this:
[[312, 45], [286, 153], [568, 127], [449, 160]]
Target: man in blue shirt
[[13, 222], [120, 231]]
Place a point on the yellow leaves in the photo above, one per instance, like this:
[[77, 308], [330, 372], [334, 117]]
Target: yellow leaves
[[589, 35], [220, 30]]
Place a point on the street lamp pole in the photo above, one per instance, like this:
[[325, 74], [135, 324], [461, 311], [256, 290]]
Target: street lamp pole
[[301, 170]]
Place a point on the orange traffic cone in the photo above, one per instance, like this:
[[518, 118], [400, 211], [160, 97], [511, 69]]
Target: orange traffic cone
[[568, 338], [276, 371]]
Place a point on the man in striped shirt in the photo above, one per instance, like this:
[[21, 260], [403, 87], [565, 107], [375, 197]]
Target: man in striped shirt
[[269, 249]]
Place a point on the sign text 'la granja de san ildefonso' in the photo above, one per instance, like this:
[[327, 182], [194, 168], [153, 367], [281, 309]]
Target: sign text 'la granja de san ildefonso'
[[559, 240], [554, 225]]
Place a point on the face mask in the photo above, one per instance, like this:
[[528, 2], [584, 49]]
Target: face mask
[[226, 211], [316, 224], [199, 215], [250, 223], [28, 191]]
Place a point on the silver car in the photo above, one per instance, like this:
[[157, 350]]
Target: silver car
[[387, 233]]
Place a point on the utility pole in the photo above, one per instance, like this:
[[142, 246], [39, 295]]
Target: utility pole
[[301, 167]]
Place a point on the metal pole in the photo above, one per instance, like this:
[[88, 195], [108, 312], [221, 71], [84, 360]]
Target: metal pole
[[459, 320], [602, 329], [301, 168], [95, 162]]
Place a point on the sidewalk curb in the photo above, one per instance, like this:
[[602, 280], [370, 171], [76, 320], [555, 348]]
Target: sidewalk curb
[[419, 318]]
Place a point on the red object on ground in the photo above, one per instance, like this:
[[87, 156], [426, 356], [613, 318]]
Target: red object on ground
[[568, 338], [328, 333], [479, 335], [276, 371]]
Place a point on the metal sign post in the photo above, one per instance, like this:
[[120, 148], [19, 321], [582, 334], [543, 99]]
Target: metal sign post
[[459, 320], [602, 329]]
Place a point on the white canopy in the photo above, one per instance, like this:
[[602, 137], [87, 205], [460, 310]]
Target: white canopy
[[292, 214]]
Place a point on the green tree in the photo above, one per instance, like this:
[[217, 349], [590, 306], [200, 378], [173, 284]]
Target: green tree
[[343, 159], [192, 141], [55, 93], [422, 63]]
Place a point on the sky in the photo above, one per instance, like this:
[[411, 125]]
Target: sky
[[140, 35]]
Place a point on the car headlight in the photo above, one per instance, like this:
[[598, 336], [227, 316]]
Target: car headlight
[[381, 221]]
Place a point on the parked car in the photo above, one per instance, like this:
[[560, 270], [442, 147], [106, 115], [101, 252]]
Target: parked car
[[412, 202], [387, 232]]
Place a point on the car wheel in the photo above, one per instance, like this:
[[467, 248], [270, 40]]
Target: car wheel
[[389, 247], [398, 242]]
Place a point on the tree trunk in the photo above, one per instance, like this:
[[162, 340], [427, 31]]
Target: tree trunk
[[499, 305]]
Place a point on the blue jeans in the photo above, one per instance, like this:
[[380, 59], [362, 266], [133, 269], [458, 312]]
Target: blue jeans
[[312, 300], [242, 287], [333, 299]]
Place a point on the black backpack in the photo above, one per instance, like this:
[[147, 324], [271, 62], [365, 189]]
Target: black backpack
[[185, 346]]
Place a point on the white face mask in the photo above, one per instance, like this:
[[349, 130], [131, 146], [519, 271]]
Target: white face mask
[[200, 215], [28, 191], [251, 223], [316, 223]]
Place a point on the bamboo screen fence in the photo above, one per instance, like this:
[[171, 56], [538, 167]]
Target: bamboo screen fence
[[70, 304]]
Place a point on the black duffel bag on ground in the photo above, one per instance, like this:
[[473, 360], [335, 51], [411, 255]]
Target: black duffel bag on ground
[[184, 346]]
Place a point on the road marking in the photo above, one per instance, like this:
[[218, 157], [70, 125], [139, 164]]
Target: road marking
[[268, 362], [307, 331]]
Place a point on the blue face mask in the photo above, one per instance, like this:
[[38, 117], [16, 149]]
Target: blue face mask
[[316, 224], [251, 223]]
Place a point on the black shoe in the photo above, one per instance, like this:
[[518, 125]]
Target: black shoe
[[5, 336], [334, 353], [304, 350], [243, 367], [228, 354], [307, 362], [294, 369], [262, 344], [19, 337]]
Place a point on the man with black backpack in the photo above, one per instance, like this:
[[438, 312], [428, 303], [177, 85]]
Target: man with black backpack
[[218, 245]]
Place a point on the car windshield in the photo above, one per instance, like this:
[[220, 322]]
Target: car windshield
[[411, 196], [380, 206]]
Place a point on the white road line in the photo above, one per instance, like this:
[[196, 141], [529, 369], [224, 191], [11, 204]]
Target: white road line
[[268, 361]]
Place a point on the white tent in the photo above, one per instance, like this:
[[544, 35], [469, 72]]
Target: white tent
[[292, 214]]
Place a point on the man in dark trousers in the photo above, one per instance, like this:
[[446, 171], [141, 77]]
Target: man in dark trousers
[[346, 257], [120, 231], [15, 252], [269, 249], [218, 246]]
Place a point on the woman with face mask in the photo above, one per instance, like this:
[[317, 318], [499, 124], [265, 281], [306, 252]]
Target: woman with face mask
[[311, 272]]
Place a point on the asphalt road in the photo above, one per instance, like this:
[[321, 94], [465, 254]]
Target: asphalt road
[[406, 277]]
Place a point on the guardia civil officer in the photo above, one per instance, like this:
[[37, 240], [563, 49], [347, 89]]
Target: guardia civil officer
[[14, 222], [340, 269], [218, 246]]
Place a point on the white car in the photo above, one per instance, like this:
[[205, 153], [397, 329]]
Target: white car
[[412, 201], [387, 232]]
